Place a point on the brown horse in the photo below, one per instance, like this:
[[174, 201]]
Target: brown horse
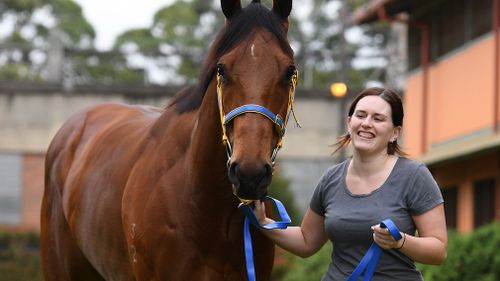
[[142, 193]]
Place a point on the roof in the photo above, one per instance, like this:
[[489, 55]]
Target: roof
[[461, 149], [371, 11]]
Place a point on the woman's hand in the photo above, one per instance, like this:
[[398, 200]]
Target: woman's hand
[[260, 213], [382, 236]]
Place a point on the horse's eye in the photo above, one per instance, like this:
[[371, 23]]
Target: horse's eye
[[290, 72], [220, 70]]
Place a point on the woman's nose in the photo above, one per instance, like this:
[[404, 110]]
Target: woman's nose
[[367, 122]]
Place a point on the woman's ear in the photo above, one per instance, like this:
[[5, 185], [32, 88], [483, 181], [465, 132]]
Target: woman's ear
[[396, 133]]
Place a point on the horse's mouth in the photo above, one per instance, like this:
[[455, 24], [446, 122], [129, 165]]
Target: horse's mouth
[[245, 193]]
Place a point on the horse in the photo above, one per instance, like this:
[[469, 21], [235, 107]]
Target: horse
[[135, 192]]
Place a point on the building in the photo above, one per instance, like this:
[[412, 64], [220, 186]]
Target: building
[[452, 98]]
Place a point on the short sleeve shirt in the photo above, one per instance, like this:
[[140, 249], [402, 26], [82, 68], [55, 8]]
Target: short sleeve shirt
[[409, 190]]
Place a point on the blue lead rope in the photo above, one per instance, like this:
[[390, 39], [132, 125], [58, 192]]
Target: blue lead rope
[[250, 218], [370, 259]]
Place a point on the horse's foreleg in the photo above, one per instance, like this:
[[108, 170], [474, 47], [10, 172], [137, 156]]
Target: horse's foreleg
[[62, 260]]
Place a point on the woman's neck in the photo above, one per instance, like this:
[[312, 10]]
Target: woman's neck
[[371, 165], [366, 174]]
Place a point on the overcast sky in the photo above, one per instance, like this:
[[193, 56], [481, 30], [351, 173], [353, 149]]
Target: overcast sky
[[112, 17]]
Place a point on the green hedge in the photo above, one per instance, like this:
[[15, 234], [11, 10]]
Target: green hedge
[[471, 257], [299, 269], [20, 256]]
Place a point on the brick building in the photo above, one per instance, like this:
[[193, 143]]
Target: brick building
[[452, 98]]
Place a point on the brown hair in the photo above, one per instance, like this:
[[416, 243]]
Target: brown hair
[[396, 104]]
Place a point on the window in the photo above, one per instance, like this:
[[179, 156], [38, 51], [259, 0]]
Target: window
[[452, 24], [10, 189], [450, 206], [484, 201]]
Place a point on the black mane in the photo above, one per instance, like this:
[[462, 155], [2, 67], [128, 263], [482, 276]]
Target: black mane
[[240, 27]]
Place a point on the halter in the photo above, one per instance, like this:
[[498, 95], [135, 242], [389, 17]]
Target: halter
[[279, 123]]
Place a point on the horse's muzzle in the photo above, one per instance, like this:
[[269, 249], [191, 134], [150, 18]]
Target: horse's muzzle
[[250, 183]]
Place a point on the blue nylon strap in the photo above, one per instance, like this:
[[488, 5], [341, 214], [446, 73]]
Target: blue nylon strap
[[251, 218], [255, 108], [248, 250], [282, 224], [370, 259]]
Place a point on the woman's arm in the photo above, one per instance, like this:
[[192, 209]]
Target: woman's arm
[[429, 247], [303, 240]]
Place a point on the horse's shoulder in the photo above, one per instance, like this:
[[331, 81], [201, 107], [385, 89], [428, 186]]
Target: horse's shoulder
[[93, 122]]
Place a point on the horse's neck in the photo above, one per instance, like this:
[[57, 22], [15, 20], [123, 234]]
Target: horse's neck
[[206, 159]]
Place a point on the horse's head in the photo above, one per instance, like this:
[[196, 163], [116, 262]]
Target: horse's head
[[256, 79]]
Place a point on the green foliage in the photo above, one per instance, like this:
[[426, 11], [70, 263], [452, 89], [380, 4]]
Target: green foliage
[[178, 38], [17, 48], [472, 257], [293, 268], [19, 257], [177, 22], [71, 21], [17, 71], [17, 6], [142, 39], [298, 269], [280, 190]]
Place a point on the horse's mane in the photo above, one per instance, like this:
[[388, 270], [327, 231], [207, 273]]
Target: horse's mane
[[238, 28]]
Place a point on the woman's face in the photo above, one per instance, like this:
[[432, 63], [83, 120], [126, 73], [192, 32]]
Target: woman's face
[[371, 126]]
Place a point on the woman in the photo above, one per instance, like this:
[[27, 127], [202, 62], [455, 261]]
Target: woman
[[376, 183]]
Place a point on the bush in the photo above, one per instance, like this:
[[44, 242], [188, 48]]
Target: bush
[[471, 257], [280, 190], [20, 257], [309, 269]]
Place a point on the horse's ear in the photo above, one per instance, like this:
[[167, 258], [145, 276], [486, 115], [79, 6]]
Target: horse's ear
[[282, 8], [230, 7]]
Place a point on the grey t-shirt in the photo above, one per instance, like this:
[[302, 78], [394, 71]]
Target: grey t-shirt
[[409, 190]]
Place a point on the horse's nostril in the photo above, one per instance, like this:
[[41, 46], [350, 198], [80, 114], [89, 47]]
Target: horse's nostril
[[268, 173], [250, 182], [233, 166]]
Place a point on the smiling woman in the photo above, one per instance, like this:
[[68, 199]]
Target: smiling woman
[[377, 183]]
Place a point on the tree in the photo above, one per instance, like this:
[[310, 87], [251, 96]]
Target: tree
[[23, 48], [172, 49], [177, 39], [52, 40], [325, 53]]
